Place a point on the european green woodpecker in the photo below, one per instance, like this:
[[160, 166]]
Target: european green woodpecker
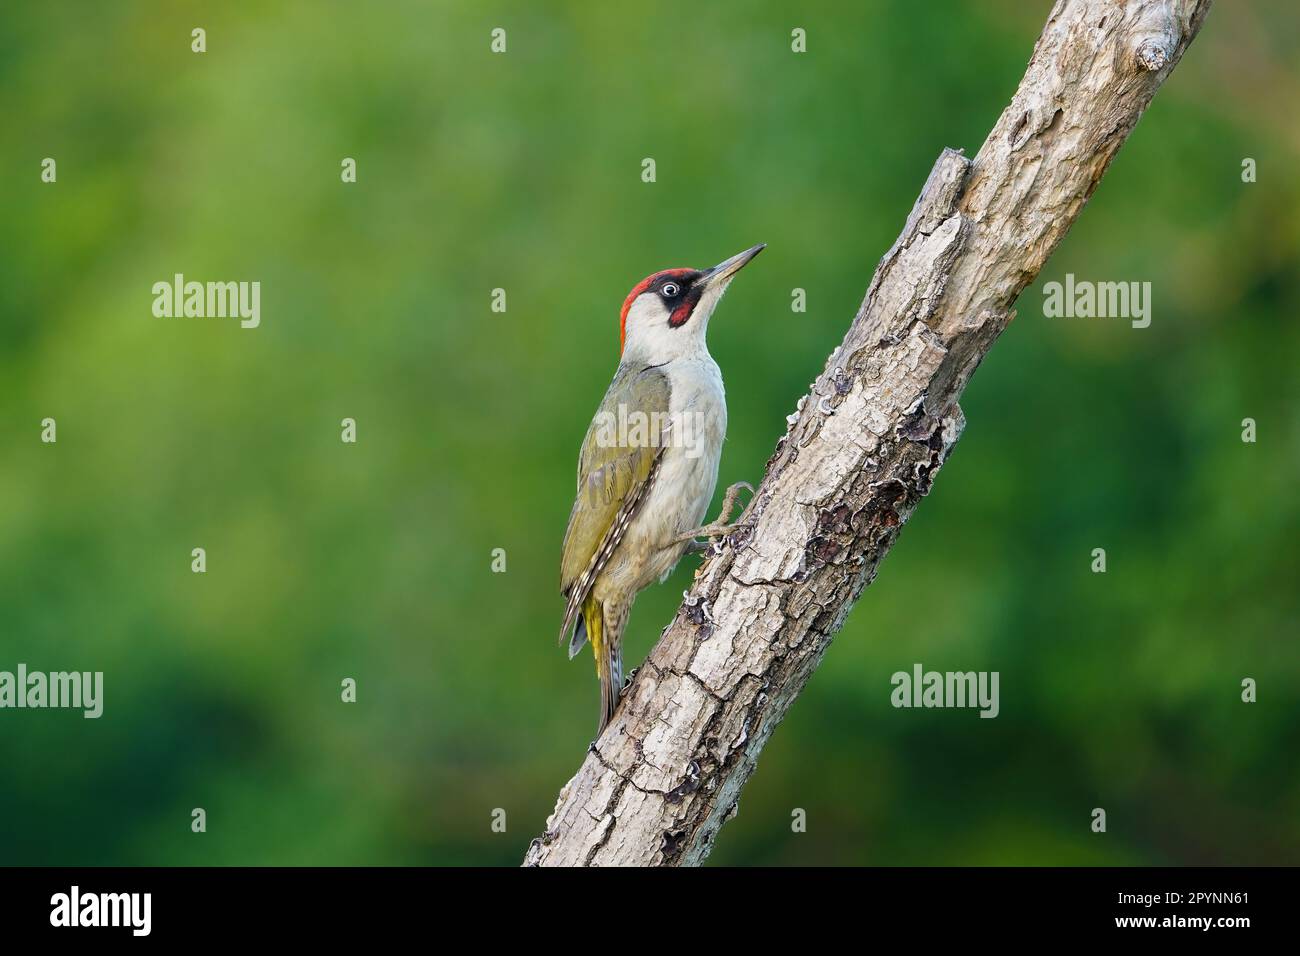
[[648, 465]]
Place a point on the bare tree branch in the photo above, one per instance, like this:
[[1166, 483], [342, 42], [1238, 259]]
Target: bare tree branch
[[863, 447]]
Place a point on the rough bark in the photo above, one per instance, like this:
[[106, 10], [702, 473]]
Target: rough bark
[[863, 446]]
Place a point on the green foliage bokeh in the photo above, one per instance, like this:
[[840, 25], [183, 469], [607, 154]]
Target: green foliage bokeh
[[522, 171]]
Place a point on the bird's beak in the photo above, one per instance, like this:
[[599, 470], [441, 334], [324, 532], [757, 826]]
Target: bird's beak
[[721, 274]]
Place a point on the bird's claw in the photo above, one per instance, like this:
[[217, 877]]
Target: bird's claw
[[721, 527], [713, 536]]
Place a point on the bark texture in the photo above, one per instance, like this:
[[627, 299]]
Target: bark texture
[[862, 448]]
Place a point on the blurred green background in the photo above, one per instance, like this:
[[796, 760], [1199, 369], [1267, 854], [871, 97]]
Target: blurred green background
[[522, 171]]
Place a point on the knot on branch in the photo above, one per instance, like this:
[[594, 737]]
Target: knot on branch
[[1152, 54]]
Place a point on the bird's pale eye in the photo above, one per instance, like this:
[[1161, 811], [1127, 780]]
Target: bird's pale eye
[[670, 289]]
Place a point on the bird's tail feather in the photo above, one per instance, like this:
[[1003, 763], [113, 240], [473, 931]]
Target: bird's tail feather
[[578, 637], [606, 649], [611, 687]]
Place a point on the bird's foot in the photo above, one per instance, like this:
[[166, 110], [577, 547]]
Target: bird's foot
[[719, 528]]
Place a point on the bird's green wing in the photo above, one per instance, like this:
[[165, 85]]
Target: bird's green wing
[[615, 470]]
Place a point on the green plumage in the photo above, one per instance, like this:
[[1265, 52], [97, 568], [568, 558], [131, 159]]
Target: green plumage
[[615, 470], [612, 467]]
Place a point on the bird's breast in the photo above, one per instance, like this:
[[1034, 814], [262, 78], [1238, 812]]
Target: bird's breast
[[688, 474], [698, 404], [683, 485]]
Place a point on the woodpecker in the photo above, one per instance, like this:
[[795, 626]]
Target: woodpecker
[[648, 465]]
